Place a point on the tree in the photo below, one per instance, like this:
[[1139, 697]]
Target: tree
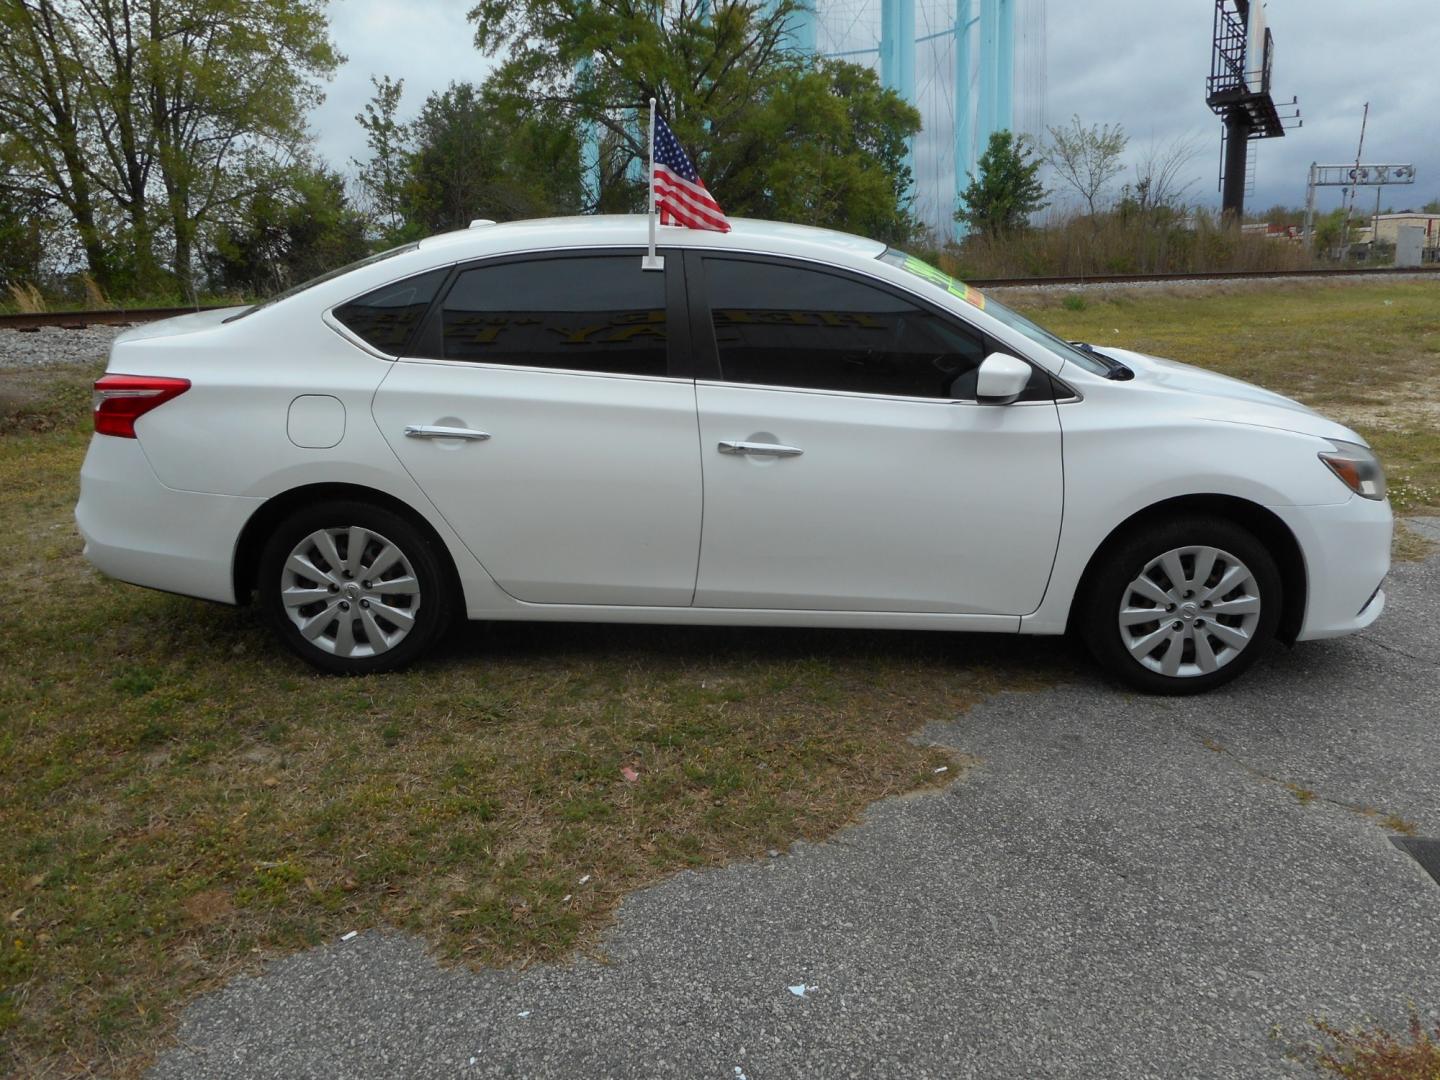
[[156, 113], [295, 228], [480, 151], [764, 125], [843, 165], [26, 226], [1007, 191], [1087, 159], [23, 233], [1329, 231], [1158, 181], [382, 175], [1279, 214], [1431, 207], [41, 66]]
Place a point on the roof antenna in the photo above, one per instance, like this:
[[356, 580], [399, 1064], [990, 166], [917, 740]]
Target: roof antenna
[[651, 261]]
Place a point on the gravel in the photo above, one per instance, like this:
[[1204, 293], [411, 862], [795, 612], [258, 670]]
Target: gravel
[[50, 346], [1123, 887]]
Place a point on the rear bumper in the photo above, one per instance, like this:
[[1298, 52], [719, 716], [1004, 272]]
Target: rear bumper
[[138, 530], [1347, 555]]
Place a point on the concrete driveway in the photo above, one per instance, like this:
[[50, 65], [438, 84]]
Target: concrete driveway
[[1122, 887]]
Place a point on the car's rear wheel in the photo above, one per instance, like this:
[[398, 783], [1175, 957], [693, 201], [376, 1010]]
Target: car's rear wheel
[[354, 588], [1184, 606]]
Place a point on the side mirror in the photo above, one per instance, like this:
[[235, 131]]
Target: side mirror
[[1001, 379]]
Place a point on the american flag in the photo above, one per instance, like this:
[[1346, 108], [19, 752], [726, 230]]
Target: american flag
[[680, 194]]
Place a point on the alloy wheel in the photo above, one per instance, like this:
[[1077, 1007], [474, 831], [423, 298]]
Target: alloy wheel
[[350, 591], [1191, 611]]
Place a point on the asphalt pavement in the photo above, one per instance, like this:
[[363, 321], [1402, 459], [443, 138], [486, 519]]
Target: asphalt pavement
[[1122, 887]]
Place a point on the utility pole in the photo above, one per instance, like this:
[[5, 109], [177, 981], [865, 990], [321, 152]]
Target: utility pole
[[1309, 235], [1354, 188]]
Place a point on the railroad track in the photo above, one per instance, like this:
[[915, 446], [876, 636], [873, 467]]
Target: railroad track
[[81, 320]]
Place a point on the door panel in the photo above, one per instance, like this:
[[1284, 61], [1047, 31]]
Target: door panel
[[549, 428], [872, 488], [891, 505], [586, 492]]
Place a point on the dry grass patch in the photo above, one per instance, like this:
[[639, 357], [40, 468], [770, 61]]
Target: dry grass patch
[[183, 800], [1409, 545], [1376, 1053], [44, 399]]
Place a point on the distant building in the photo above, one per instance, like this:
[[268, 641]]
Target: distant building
[[1273, 232], [1389, 225]]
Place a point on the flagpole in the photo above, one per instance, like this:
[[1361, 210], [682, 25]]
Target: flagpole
[[652, 261]]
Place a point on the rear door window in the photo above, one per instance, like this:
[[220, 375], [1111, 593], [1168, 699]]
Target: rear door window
[[596, 314]]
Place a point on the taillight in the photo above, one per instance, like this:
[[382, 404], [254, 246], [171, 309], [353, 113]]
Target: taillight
[[120, 400]]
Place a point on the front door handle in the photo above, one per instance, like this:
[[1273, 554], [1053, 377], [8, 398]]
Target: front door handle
[[424, 431], [760, 449]]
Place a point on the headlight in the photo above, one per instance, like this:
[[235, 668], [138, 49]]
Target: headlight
[[1358, 467]]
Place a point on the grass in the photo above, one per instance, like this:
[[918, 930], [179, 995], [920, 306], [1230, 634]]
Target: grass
[[182, 800]]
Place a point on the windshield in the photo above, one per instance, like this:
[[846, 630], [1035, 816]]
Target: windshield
[[1089, 361], [331, 275]]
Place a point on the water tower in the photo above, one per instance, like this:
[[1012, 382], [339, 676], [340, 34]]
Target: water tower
[[968, 66]]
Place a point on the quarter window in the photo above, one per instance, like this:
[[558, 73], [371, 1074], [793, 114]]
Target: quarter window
[[594, 314], [791, 326], [387, 318]]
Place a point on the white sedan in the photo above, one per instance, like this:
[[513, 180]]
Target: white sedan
[[784, 426]]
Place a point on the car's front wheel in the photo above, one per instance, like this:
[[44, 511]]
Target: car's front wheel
[[354, 588], [1183, 606]]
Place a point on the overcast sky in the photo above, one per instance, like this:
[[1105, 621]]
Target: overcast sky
[[1140, 63]]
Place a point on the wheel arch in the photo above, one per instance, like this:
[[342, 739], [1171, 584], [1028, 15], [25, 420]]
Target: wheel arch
[[257, 530], [1267, 527]]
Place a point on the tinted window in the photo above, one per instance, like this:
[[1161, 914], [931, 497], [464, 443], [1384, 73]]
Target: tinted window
[[600, 314], [388, 317], [789, 326]]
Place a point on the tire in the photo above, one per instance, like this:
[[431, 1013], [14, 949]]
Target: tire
[[330, 612], [1201, 637]]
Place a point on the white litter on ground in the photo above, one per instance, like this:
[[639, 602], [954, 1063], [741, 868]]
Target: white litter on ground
[[351, 934]]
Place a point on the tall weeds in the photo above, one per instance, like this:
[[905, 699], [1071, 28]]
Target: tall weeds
[[95, 298], [1155, 241], [26, 299]]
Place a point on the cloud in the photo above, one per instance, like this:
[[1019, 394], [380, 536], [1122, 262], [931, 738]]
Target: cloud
[[428, 43]]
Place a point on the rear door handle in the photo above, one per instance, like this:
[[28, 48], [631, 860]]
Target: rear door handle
[[759, 449], [424, 431]]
